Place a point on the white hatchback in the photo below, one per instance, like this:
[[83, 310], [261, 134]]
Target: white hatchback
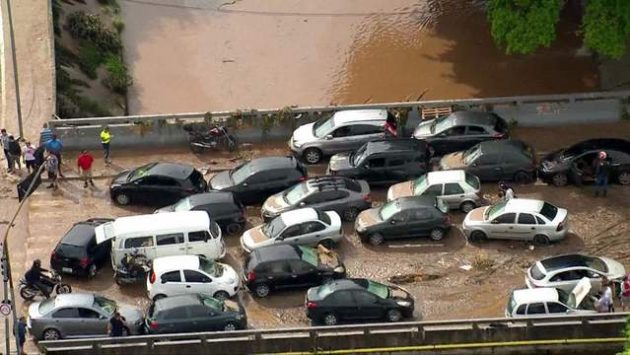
[[305, 226], [184, 274]]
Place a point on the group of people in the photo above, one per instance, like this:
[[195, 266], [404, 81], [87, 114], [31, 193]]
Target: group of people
[[605, 301]]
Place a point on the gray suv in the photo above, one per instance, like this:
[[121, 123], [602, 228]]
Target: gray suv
[[345, 196], [342, 132]]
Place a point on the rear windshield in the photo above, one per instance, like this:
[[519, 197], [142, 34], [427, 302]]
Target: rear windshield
[[215, 230], [536, 273], [420, 184], [211, 267], [511, 303], [324, 217], [309, 255], [548, 210], [325, 290], [105, 304], [197, 180], [273, 228], [353, 185], [241, 173], [296, 193], [183, 205], [71, 251], [378, 289], [46, 306], [499, 124], [140, 172], [212, 303], [473, 181]]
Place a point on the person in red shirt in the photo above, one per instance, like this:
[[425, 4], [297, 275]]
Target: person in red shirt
[[84, 163]]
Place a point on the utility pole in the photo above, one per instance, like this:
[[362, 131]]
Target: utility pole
[[15, 70], [5, 284]]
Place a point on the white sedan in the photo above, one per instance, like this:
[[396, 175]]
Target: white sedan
[[305, 226]]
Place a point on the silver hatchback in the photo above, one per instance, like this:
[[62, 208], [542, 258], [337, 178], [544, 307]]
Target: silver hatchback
[[344, 131]]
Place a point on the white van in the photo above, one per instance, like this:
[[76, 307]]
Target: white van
[[164, 234]]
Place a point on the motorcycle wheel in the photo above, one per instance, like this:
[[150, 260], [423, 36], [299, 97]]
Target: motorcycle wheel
[[63, 288], [27, 293]]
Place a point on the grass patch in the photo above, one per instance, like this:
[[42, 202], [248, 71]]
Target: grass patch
[[118, 79], [89, 59]]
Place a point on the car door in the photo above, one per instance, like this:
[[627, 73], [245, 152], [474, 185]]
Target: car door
[[171, 284], [291, 235], [487, 167], [312, 232], [449, 140], [435, 190], [398, 226], [303, 273], [374, 170], [453, 195], [502, 227], [526, 226], [156, 190], [342, 304], [339, 140], [144, 245], [421, 222], [368, 305], [203, 319], [566, 280], [334, 200], [474, 135], [92, 322], [363, 133], [556, 309], [67, 320], [279, 274], [203, 243], [536, 309], [174, 320], [98, 252], [170, 244], [396, 169], [196, 282]]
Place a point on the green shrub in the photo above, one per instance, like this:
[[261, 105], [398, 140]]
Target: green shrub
[[118, 79], [118, 24], [90, 58], [89, 27]]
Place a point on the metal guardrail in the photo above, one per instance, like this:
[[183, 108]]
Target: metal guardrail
[[408, 330]]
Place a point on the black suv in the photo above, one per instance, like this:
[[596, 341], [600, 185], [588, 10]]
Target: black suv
[[345, 196], [290, 266], [253, 181], [221, 206], [384, 161], [78, 253], [559, 167]]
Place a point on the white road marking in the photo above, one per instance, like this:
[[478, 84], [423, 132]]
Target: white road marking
[[417, 245]]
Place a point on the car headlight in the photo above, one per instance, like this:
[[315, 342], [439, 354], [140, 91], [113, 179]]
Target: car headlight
[[403, 303], [339, 269]]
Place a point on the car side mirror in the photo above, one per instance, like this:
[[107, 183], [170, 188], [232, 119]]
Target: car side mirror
[[329, 137], [245, 184], [302, 204], [393, 221]]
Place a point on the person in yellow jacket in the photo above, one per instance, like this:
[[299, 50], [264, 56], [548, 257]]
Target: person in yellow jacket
[[106, 138]]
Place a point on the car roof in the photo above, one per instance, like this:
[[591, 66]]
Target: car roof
[[535, 295], [446, 176], [355, 116], [301, 215], [80, 234], [350, 284], [176, 262], [275, 252], [619, 144], [502, 144], [74, 300], [565, 261], [273, 162], [472, 118], [523, 205], [212, 197], [174, 170], [395, 146], [409, 202], [177, 301], [163, 222]]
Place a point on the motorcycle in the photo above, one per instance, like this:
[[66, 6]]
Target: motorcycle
[[53, 282], [134, 268], [211, 137]]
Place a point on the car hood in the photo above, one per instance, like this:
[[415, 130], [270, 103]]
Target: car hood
[[368, 218], [340, 162], [304, 134], [275, 204], [121, 178], [33, 311], [254, 238], [423, 130], [402, 189], [476, 215], [170, 208], [132, 314], [615, 269], [229, 275], [221, 181], [452, 161]]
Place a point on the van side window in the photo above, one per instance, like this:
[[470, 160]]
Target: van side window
[[166, 239], [138, 242], [200, 236]]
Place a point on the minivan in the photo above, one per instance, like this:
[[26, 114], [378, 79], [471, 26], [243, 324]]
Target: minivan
[[163, 234]]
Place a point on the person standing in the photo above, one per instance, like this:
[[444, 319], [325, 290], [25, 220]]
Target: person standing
[[29, 157], [106, 138], [21, 334], [54, 146], [84, 164], [16, 153], [117, 326], [601, 169], [52, 167], [624, 297], [45, 135], [4, 140]]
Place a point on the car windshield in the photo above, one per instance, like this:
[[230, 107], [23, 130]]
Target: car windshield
[[46, 306], [273, 228], [357, 156], [388, 210], [378, 289], [536, 273], [471, 155], [596, 263], [324, 217], [548, 210], [325, 290], [211, 268], [105, 304], [473, 181], [241, 173], [440, 124], [420, 184], [323, 127], [511, 304], [140, 172], [212, 303], [495, 210], [309, 255], [183, 205], [295, 194]]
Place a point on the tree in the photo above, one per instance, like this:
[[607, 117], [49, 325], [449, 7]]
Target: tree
[[606, 26]]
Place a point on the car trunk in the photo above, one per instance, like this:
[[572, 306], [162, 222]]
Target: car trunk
[[69, 258]]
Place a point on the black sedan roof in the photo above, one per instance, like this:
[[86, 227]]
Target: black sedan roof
[[415, 202], [349, 284], [174, 170], [395, 145], [473, 118], [82, 232], [177, 301], [212, 197]]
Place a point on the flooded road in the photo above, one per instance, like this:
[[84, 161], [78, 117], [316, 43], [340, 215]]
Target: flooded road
[[198, 55]]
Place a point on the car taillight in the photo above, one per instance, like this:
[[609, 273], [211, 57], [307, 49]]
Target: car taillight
[[311, 305], [84, 262], [53, 255], [560, 226], [251, 276], [302, 178], [152, 277], [446, 219], [153, 325], [367, 198], [498, 135]]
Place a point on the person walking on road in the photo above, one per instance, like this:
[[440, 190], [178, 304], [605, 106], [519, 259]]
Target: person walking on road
[[601, 170], [84, 164], [45, 135], [29, 157], [54, 146], [4, 140], [15, 151], [106, 138], [21, 334], [117, 325], [52, 167]]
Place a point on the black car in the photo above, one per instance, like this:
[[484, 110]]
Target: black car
[[561, 166], [290, 266], [78, 253], [405, 217], [191, 313], [253, 181], [357, 300], [384, 161], [461, 130], [510, 160], [156, 184], [221, 206]]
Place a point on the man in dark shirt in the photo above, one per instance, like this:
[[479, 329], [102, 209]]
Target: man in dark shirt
[[601, 168], [117, 325], [34, 277]]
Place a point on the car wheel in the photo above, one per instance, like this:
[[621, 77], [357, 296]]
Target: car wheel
[[221, 295], [158, 297], [261, 290], [624, 178], [437, 234], [51, 334], [350, 214], [478, 237], [467, 206], [312, 155], [63, 288], [559, 179], [540, 239], [394, 315], [330, 319], [376, 239], [91, 271], [522, 177], [230, 327], [122, 199], [327, 243], [233, 228]]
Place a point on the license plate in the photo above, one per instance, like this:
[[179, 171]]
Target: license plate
[[67, 269]]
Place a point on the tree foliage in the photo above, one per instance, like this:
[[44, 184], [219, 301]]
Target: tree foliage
[[606, 26]]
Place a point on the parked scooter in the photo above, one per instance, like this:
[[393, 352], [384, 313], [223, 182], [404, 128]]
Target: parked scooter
[[134, 268], [210, 137], [28, 292]]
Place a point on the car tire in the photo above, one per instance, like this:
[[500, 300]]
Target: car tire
[[437, 234], [312, 155], [221, 295], [158, 297], [540, 239], [624, 178], [122, 199], [51, 334], [91, 272], [330, 319], [560, 179], [522, 177], [394, 315], [467, 206], [61, 289], [327, 243], [376, 239], [261, 290], [230, 327], [477, 237], [233, 228], [350, 214]]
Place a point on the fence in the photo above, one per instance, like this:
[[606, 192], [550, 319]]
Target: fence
[[425, 334], [165, 129]]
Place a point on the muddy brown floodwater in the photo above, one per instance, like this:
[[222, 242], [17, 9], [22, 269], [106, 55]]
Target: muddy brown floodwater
[[198, 55]]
